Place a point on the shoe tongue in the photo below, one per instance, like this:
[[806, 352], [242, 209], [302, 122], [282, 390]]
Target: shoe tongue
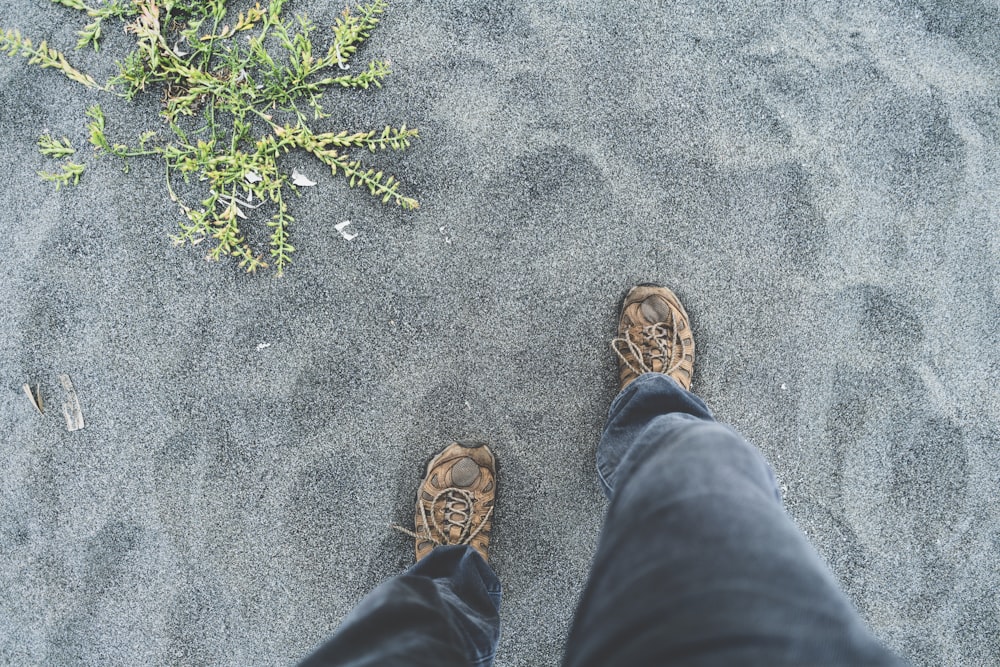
[[465, 472], [655, 310]]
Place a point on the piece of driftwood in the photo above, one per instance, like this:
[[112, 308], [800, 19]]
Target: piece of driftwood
[[71, 406], [35, 397]]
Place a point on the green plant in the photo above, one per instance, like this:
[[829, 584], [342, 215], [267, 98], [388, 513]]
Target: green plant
[[70, 172], [232, 108], [48, 145]]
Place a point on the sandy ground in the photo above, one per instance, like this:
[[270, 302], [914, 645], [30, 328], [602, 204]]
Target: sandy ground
[[819, 181]]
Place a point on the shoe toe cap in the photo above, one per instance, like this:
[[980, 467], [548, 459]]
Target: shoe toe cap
[[465, 473]]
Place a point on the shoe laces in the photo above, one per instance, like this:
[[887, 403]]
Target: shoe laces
[[458, 506], [659, 341]]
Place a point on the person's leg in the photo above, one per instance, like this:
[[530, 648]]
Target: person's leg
[[443, 611], [698, 563]]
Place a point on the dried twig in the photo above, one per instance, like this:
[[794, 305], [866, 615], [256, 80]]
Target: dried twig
[[71, 406]]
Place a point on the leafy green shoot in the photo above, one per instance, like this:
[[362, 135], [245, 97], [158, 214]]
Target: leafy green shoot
[[69, 174], [52, 147]]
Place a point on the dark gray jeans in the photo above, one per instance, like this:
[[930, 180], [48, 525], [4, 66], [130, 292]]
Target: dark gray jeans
[[698, 564]]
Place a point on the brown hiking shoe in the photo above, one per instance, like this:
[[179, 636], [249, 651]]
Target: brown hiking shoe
[[654, 336], [455, 500]]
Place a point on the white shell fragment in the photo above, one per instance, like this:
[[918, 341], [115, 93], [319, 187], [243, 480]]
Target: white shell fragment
[[35, 397], [71, 406], [237, 204], [340, 60], [342, 228], [263, 346], [301, 180], [253, 177]]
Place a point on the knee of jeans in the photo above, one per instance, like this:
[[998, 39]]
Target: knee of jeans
[[698, 453], [618, 458], [676, 432]]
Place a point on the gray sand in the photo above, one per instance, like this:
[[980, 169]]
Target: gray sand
[[820, 182]]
